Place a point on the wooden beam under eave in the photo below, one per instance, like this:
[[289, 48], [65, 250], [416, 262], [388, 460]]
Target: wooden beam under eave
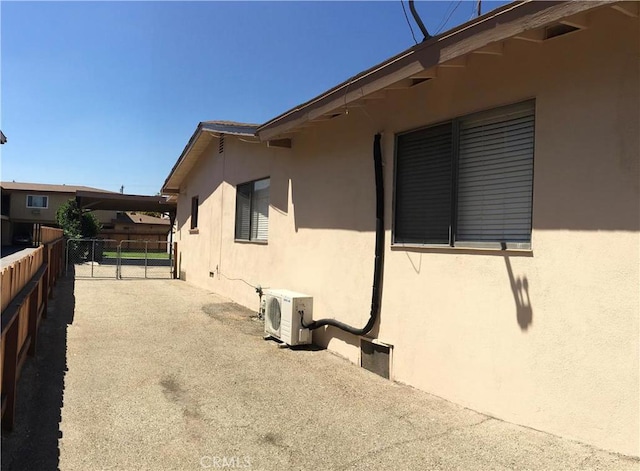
[[494, 49], [375, 96], [401, 85], [458, 62], [426, 74], [535, 36], [627, 8], [577, 21]]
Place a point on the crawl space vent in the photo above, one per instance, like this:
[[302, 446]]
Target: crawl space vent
[[375, 357]]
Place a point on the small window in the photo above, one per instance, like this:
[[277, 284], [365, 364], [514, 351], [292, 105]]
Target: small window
[[467, 182], [194, 212], [37, 201], [252, 210]]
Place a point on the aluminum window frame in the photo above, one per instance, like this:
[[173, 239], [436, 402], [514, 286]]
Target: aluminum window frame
[[195, 209], [46, 198], [250, 239], [454, 244]]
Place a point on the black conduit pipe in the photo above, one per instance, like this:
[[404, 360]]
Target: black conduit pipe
[[376, 294], [416, 17]]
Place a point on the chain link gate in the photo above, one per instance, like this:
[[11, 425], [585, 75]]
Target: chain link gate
[[145, 259], [109, 258], [92, 258]]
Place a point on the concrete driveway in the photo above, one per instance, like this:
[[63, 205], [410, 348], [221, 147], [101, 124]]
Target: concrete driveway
[[157, 374]]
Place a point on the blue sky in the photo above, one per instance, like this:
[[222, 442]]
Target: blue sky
[[106, 94]]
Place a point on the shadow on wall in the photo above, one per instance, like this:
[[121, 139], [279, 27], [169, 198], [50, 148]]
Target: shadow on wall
[[334, 187], [520, 290], [35, 441]]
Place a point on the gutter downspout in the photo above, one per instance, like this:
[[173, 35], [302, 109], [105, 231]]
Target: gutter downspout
[[376, 294]]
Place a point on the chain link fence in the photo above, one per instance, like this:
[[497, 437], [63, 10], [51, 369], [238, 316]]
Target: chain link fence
[[145, 259], [92, 258], [108, 258]]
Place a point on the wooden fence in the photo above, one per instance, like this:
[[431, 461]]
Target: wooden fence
[[26, 286], [49, 234]]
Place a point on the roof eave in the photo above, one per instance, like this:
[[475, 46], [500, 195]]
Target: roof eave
[[187, 157], [495, 26], [192, 140]]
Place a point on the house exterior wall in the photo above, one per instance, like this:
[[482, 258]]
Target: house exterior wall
[[20, 213], [547, 338]]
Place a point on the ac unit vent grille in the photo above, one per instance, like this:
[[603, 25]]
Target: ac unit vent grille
[[284, 313], [274, 313]]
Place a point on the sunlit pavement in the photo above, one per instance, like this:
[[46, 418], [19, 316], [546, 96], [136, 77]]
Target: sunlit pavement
[[157, 374]]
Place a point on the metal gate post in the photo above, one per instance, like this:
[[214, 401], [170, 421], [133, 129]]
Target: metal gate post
[[93, 255], [146, 254], [119, 261]]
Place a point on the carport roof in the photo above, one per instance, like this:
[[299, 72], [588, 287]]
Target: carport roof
[[118, 202]]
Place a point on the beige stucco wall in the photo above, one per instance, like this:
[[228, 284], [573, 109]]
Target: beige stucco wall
[[20, 213], [547, 338]]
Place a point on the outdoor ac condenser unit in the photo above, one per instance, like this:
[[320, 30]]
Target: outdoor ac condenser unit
[[282, 318]]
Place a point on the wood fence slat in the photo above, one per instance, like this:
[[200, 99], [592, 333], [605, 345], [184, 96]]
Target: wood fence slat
[[26, 286]]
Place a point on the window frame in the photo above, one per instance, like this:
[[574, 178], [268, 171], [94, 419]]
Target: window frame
[[452, 243], [194, 214], [46, 198], [235, 224]]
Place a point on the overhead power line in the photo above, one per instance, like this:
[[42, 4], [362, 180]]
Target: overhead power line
[[408, 22]]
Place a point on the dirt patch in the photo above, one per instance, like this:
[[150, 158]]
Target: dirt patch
[[234, 315], [228, 311], [174, 392]]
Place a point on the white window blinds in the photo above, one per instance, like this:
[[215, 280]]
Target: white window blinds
[[252, 211]]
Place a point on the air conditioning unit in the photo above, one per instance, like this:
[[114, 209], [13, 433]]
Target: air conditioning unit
[[283, 310]]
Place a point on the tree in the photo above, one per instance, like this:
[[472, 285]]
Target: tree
[[75, 223]]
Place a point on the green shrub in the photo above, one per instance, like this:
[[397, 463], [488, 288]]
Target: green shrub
[[75, 223]]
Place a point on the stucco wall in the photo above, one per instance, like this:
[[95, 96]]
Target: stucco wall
[[547, 338]]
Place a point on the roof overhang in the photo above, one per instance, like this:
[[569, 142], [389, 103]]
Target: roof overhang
[[97, 201], [199, 141], [420, 61]]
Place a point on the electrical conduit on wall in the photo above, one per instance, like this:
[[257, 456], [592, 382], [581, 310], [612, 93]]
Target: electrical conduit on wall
[[376, 295]]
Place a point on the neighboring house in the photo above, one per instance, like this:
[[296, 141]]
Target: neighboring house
[[511, 159], [26, 204], [132, 225]]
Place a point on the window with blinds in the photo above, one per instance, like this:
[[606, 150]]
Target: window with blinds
[[467, 182], [252, 211]]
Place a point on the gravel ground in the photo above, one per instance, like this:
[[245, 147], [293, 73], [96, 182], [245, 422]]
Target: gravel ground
[[159, 375]]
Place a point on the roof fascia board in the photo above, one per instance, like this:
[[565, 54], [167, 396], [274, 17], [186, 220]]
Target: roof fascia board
[[501, 25], [215, 130], [183, 157]]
